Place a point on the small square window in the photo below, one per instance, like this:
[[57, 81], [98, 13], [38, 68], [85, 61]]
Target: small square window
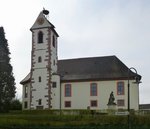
[[120, 102], [54, 84], [67, 103], [39, 59], [94, 103]]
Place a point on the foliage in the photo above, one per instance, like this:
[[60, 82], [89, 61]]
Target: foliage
[[15, 105], [7, 81]]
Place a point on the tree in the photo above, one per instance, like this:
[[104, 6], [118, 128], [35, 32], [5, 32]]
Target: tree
[[16, 105], [7, 80]]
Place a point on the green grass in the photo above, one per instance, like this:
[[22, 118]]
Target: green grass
[[48, 118]]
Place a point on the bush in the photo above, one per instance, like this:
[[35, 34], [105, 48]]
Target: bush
[[15, 105]]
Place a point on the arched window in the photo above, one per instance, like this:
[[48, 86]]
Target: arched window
[[40, 37], [53, 41], [39, 59]]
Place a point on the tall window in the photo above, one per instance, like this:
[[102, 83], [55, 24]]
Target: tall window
[[54, 62], [26, 91], [93, 89], [68, 90], [25, 104], [40, 79], [40, 37], [53, 41], [40, 102], [120, 88], [54, 84], [39, 59]]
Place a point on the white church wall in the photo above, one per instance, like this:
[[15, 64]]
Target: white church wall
[[80, 95], [26, 98], [53, 54], [41, 54], [55, 92], [35, 40], [40, 87], [134, 93]]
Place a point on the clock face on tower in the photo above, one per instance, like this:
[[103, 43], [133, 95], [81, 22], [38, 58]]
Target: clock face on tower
[[40, 21]]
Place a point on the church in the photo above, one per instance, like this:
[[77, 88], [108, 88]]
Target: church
[[80, 83]]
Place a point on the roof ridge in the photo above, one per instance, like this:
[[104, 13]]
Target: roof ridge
[[88, 57]]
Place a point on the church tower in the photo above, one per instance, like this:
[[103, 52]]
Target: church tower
[[44, 64]]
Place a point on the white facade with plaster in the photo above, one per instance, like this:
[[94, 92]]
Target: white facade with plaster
[[81, 98], [44, 62]]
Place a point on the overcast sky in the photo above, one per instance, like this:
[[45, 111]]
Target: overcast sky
[[87, 28]]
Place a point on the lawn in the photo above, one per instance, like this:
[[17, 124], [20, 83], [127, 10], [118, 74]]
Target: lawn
[[48, 119]]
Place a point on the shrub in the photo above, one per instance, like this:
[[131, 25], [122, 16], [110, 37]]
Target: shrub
[[15, 105]]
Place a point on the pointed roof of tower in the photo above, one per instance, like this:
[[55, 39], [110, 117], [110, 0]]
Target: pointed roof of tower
[[43, 22]]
